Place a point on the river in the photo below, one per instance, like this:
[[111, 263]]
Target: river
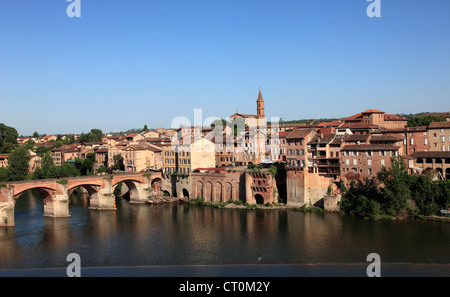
[[183, 235]]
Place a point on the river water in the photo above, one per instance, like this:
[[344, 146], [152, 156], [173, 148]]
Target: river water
[[182, 235]]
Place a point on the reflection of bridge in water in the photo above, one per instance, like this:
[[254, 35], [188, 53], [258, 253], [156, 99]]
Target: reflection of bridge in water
[[56, 192]]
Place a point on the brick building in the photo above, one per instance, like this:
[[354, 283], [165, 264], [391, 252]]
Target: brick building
[[414, 139], [378, 118], [439, 136], [297, 148]]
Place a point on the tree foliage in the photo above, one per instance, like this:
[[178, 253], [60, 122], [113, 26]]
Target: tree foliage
[[396, 193], [18, 161], [95, 135], [8, 138], [424, 120]]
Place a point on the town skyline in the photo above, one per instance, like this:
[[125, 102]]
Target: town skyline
[[125, 64]]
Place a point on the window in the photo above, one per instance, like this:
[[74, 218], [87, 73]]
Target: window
[[425, 141], [347, 162], [443, 148], [411, 141], [369, 162], [370, 171], [354, 161], [382, 162], [442, 138]]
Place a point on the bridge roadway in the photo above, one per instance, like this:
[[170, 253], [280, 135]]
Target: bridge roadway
[[56, 192]]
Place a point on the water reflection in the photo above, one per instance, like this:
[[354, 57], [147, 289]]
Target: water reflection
[[180, 234]]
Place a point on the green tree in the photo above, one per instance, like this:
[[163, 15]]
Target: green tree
[[46, 164], [95, 135], [18, 161], [145, 128], [8, 134], [397, 186], [118, 163], [272, 170], [3, 174], [424, 120], [7, 147], [69, 170], [363, 199]]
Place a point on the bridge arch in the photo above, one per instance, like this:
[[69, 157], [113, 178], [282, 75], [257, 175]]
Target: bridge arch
[[131, 185], [46, 193]]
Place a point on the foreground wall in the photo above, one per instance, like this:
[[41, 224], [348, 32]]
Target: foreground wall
[[304, 188]]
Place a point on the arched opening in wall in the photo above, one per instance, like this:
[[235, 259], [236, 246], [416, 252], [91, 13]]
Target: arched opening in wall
[[166, 193], [29, 206], [199, 190], [185, 193], [218, 193], [259, 199], [447, 173], [156, 185], [419, 161], [208, 192], [439, 173], [228, 192]]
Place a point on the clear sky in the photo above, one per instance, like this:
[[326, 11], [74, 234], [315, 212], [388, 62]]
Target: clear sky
[[127, 63]]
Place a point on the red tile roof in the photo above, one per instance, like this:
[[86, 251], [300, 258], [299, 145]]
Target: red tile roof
[[439, 125], [373, 111]]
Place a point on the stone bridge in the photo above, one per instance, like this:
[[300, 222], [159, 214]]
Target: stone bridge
[[56, 192]]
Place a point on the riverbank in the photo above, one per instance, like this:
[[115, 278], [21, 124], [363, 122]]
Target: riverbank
[[280, 206], [242, 205], [438, 219]]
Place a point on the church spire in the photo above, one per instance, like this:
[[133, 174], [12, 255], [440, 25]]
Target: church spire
[[260, 104]]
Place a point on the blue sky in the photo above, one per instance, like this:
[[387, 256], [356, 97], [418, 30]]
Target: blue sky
[[124, 64]]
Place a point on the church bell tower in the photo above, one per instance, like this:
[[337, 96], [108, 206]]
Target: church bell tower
[[260, 105]]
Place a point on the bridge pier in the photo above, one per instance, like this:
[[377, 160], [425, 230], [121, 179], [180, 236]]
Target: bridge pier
[[6, 206], [141, 193], [6, 215], [104, 199], [58, 207]]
